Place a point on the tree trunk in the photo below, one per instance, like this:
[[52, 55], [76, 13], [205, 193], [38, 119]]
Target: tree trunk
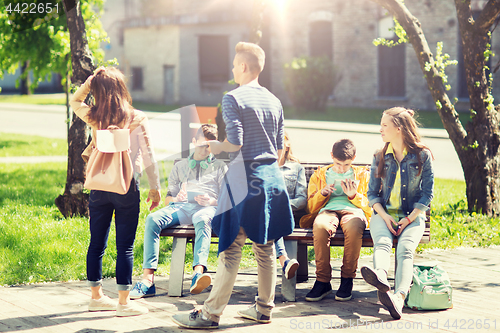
[[25, 81], [74, 202], [482, 155], [477, 146]]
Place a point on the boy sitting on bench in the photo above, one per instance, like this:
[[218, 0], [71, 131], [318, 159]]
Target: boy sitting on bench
[[337, 197], [193, 190]]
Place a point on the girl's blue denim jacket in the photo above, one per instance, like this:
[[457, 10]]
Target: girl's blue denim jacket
[[416, 189], [296, 185]]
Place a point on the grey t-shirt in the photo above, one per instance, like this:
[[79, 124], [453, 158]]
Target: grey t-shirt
[[207, 180]]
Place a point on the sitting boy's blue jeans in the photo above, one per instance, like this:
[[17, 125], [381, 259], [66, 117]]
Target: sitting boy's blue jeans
[[200, 216], [280, 247]]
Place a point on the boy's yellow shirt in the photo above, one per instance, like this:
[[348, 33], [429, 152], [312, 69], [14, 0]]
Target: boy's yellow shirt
[[316, 201]]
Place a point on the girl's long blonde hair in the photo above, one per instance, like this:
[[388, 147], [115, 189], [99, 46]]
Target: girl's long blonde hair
[[404, 119], [112, 101], [288, 153]]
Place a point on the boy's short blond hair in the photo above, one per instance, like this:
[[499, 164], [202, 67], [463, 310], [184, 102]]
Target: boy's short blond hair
[[253, 55]]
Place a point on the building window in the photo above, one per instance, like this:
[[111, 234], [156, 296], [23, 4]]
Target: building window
[[213, 55], [391, 71], [320, 39], [137, 78], [391, 62]]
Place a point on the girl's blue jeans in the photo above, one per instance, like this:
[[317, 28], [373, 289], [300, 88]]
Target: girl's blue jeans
[[102, 205], [177, 213], [407, 244]]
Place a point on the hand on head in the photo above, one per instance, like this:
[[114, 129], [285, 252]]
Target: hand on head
[[215, 146], [98, 70]]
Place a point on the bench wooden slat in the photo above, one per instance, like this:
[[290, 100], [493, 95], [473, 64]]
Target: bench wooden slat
[[304, 236], [182, 231]]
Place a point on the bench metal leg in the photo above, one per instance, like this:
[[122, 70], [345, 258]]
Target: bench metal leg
[[288, 285], [177, 266], [303, 271]]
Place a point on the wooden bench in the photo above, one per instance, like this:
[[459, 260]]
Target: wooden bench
[[295, 244]]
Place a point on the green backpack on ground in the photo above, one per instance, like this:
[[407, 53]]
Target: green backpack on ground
[[431, 289]]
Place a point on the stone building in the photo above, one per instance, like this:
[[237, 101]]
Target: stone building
[[180, 51]]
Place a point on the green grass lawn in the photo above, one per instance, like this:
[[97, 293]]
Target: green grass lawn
[[155, 107], [428, 119], [41, 99], [60, 99], [31, 145]]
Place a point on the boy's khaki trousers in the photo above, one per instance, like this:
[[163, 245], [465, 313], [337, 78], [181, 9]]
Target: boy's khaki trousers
[[227, 270]]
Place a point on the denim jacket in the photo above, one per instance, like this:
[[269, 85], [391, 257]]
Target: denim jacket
[[416, 189], [296, 185]]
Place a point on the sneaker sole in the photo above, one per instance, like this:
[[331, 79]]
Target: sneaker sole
[[202, 283], [386, 300], [343, 299], [371, 278], [315, 299], [102, 309], [253, 318], [129, 314], [290, 272], [194, 327], [142, 296]]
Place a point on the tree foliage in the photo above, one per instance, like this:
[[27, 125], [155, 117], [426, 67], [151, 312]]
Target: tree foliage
[[41, 40]]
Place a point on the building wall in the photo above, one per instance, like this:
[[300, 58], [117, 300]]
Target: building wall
[[355, 24], [191, 89], [112, 21], [152, 48], [439, 23], [354, 29]]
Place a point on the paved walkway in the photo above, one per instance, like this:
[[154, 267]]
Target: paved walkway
[[61, 307]]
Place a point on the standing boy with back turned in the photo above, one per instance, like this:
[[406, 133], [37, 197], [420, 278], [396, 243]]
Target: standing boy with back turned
[[254, 126]]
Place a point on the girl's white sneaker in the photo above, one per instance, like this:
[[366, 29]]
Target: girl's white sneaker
[[130, 309], [102, 304]]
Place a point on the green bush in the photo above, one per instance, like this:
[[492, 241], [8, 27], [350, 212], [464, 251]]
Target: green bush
[[309, 81]]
